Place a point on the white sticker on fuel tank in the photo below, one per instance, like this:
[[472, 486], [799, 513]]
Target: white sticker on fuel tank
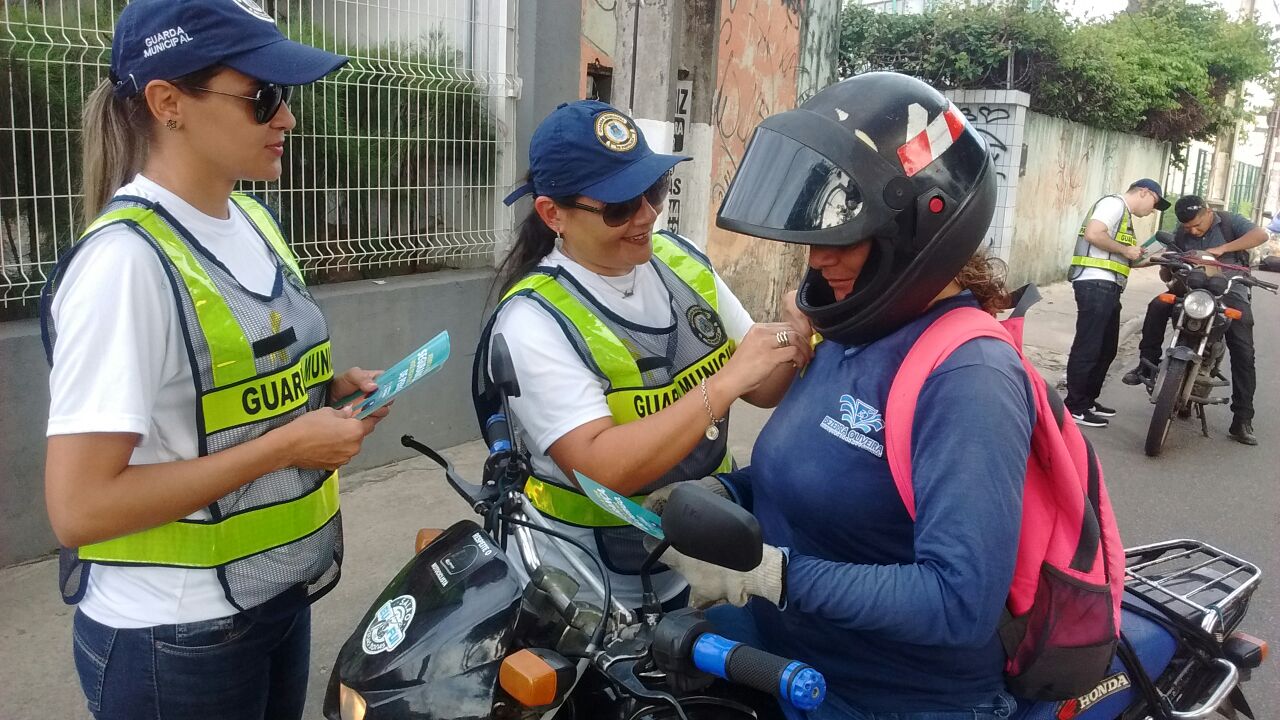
[[390, 625]]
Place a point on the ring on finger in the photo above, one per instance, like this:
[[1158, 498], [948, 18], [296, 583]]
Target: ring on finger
[[784, 338]]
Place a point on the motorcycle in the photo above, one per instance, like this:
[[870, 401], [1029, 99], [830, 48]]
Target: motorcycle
[[1190, 370], [465, 631]]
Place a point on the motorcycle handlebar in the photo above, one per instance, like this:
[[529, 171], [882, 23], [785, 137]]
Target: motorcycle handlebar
[[497, 433], [793, 682]]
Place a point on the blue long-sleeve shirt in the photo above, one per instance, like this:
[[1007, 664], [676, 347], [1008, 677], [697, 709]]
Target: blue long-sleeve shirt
[[898, 615]]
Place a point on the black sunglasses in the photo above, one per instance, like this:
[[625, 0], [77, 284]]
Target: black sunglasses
[[617, 214], [266, 103]]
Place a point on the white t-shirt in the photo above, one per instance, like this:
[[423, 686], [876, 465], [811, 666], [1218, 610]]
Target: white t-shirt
[[131, 373], [1109, 211], [558, 392]]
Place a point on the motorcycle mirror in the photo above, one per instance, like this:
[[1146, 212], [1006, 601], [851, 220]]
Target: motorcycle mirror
[[703, 525], [504, 371]]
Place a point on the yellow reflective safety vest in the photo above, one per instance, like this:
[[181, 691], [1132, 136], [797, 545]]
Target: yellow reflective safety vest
[[1088, 256], [258, 362], [645, 369]]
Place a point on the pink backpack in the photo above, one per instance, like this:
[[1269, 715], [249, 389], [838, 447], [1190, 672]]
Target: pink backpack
[[1062, 618]]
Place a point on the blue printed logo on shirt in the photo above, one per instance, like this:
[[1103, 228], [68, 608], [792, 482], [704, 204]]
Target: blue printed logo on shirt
[[858, 418], [859, 415]]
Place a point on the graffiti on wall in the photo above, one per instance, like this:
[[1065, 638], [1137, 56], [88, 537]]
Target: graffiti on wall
[[819, 48], [756, 77], [998, 125], [986, 120]]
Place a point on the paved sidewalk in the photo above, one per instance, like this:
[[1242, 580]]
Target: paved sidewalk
[[382, 511]]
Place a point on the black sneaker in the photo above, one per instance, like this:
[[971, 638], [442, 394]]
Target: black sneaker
[[1102, 410], [1242, 432], [1089, 418], [1136, 376]]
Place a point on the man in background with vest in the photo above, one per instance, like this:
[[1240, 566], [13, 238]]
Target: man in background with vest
[[1229, 237], [1105, 249]]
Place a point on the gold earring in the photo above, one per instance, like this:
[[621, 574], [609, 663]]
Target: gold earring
[[171, 124]]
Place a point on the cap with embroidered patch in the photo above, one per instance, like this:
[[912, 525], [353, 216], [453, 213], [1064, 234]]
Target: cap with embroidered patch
[[166, 39], [591, 148]]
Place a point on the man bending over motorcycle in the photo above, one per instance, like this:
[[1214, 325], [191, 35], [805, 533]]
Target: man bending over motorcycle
[[1229, 237]]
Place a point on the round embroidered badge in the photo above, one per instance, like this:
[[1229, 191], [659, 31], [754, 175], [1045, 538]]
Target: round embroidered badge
[[616, 132]]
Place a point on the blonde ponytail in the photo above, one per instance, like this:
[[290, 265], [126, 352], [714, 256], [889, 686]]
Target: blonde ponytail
[[116, 133]]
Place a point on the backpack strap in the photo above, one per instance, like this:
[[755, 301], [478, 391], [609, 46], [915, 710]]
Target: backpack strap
[[1225, 223], [934, 346]]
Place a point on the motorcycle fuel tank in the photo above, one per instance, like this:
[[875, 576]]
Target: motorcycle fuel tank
[[432, 643]]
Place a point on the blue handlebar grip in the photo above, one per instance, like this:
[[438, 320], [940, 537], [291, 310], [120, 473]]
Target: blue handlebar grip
[[495, 433], [796, 683]]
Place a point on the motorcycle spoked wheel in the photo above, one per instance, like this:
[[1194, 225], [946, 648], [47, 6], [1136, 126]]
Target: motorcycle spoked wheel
[[1168, 396]]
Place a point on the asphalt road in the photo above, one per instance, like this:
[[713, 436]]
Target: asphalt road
[[1211, 489]]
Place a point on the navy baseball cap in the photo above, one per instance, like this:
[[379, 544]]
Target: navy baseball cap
[[591, 148], [166, 39], [1153, 186]]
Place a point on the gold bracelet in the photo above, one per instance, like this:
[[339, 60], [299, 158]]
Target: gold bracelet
[[712, 432]]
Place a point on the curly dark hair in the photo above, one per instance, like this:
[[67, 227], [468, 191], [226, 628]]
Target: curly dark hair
[[984, 276]]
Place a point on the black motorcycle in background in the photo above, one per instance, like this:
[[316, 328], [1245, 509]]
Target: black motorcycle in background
[[476, 627], [1191, 369]]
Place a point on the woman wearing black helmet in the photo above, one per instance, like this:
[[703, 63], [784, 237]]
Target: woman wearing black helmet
[[893, 191], [628, 346]]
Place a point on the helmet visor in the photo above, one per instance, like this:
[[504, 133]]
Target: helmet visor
[[801, 181], [782, 184]]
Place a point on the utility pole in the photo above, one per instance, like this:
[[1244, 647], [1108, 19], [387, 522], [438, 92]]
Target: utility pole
[[1268, 163]]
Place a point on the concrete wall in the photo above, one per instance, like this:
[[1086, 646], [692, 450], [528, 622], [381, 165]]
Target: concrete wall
[[1068, 167], [372, 325]]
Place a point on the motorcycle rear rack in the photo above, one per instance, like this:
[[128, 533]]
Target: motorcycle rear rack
[[1150, 569]]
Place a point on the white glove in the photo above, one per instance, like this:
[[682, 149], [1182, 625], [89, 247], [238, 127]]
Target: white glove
[[711, 584], [656, 502]]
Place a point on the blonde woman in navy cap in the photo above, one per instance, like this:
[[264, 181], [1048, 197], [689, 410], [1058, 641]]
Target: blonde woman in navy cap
[[628, 346], [191, 470]]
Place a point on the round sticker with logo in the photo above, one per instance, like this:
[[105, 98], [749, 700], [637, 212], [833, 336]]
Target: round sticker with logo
[[616, 132], [254, 9], [706, 325], [390, 625]]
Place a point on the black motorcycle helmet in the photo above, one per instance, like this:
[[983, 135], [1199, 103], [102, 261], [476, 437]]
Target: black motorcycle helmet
[[880, 158]]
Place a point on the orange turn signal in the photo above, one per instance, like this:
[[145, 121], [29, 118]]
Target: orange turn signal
[[528, 678], [1233, 313], [1167, 298], [425, 537]]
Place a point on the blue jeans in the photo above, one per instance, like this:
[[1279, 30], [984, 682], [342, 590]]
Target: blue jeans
[[231, 668], [1096, 341]]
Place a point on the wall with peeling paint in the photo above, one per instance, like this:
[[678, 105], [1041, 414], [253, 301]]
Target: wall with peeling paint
[[758, 56]]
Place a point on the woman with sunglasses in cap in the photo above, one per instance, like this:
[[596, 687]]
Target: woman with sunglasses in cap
[[628, 347], [191, 470]]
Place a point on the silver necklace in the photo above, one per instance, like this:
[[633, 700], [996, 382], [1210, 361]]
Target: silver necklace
[[627, 292], [608, 280]]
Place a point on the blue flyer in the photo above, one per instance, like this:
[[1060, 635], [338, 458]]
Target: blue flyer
[[394, 380], [620, 506]]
